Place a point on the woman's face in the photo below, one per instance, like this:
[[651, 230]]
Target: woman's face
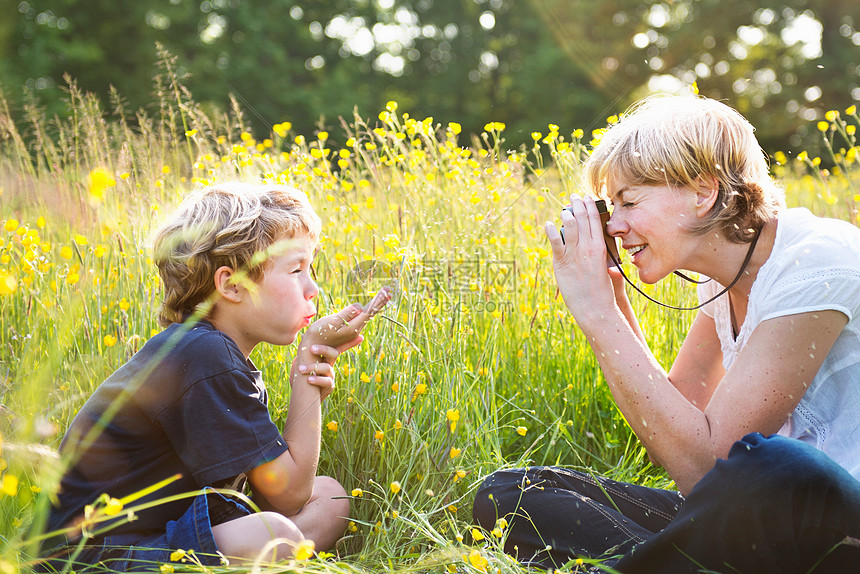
[[653, 223]]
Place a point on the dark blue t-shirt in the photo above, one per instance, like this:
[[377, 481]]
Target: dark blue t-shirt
[[188, 404]]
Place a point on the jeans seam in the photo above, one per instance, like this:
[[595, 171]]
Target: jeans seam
[[602, 510], [609, 490]]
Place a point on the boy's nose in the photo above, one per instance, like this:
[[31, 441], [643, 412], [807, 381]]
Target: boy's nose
[[312, 290]]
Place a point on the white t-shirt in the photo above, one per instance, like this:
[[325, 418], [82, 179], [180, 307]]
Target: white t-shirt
[[814, 266]]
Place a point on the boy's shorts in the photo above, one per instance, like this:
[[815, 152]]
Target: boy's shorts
[[130, 552]]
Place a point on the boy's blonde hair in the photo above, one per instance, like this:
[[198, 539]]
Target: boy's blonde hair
[[673, 140], [225, 224]]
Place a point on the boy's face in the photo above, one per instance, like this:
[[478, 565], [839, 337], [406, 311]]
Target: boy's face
[[283, 302]]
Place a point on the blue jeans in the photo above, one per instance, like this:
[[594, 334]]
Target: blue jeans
[[775, 505], [130, 552]]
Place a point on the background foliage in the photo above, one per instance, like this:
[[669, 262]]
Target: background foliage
[[523, 62]]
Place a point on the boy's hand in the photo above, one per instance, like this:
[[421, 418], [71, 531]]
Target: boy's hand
[[330, 336], [321, 374], [342, 330]]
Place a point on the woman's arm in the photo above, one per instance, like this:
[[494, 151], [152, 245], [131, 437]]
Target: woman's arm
[[698, 366]]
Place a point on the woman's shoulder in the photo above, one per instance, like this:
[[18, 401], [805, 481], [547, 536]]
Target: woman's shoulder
[[806, 242]]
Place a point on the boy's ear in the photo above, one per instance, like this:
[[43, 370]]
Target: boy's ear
[[707, 189], [226, 284]]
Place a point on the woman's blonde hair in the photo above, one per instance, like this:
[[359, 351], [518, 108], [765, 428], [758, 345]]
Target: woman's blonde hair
[[673, 140], [231, 224]]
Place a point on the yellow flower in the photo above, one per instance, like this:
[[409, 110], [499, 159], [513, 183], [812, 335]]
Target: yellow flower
[[398, 425], [477, 535], [352, 527], [81, 240], [420, 389], [454, 128], [522, 431], [109, 340], [395, 487], [113, 507], [851, 110], [454, 452], [190, 133], [477, 560], [332, 426], [304, 550], [831, 115], [166, 568], [177, 555], [391, 106], [8, 283], [9, 485], [364, 377], [11, 225], [453, 415], [823, 126], [379, 435], [98, 181], [459, 475], [357, 493]]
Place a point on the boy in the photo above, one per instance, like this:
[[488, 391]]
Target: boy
[[190, 410]]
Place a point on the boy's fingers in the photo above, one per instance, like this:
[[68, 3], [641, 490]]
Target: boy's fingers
[[380, 300], [325, 352], [324, 384], [350, 344], [317, 369]]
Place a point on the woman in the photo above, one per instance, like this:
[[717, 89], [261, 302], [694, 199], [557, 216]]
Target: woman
[[775, 355]]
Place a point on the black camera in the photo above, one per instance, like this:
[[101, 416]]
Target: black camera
[[611, 244]]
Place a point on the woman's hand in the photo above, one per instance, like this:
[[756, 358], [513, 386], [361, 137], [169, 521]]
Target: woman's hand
[[580, 261]]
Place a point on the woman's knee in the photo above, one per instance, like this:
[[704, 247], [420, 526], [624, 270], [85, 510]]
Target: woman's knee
[[498, 495]]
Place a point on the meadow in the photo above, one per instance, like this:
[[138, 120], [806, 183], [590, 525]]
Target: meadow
[[475, 365]]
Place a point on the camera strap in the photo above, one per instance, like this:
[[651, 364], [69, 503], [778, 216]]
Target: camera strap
[[714, 298]]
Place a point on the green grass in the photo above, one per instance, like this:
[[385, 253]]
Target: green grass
[[476, 326]]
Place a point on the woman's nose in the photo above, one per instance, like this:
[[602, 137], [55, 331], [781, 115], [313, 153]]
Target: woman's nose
[[616, 226]]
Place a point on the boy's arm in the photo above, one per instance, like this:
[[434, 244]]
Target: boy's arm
[[286, 482]]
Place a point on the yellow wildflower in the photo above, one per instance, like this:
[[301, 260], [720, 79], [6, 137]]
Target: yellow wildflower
[[98, 181], [357, 493], [477, 560], [113, 507], [454, 452], [9, 485], [8, 283], [395, 487], [332, 426], [522, 431], [304, 550]]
